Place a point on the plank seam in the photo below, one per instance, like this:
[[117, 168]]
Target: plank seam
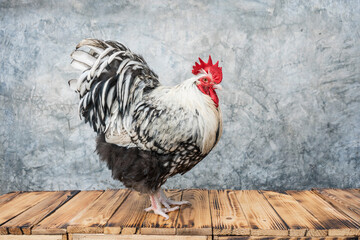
[[18, 215], [127, 194], [336, 210], [138, 228], [335, 207], [12, 197], [176, 221], [318, 224], [242, 210], [212, 227], [287, 227], [66, 224], [21, 227], [353, 222], [63, 226], [57, 207], [324, 228]]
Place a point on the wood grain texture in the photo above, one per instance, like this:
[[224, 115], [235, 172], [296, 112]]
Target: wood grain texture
[[213, 214], [155, 224], [355, 191], [195, 219], [57, 222], [281, 238], [8, 197], [135, 237], [32, 237], [129, 216], [23, 223], [19, 204], [297, 218], [338, 224], [226, 214], [262, 218], [346, 201], [93, 218]]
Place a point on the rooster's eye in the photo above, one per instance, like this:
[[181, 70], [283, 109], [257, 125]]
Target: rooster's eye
[[205, 80]]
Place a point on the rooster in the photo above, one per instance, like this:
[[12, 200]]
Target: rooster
[[146, 132]]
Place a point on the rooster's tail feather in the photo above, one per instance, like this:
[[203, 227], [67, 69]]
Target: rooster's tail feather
[[111, 80]]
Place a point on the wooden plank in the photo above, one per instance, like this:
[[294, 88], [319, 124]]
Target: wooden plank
[[32, 237], [95, 216], [19, 204], [134, 237], [129, 216], [281, 238], [297, 218], [57, 222], [338, 224], [8, 197], [226, 214], [23, 223], [262, 218], [155, 224], [346, 201], [195, 219], [354, 191]]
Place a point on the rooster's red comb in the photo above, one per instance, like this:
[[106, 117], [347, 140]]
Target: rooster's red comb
[[209, 67]]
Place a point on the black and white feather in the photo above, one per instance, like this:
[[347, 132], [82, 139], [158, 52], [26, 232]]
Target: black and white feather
[[147, 132], [113, 80]]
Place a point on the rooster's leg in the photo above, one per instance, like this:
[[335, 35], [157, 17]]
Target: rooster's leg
[[156, 206], [167, 201]]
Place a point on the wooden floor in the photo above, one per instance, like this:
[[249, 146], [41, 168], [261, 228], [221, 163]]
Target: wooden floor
[[214, 214]]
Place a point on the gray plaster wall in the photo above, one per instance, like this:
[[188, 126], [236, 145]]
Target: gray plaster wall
[[291, 98]]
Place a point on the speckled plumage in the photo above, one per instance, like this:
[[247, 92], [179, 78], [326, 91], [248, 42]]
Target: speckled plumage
[[147, 132], [142, 170]]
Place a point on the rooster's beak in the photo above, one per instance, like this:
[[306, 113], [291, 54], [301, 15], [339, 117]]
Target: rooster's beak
[[218, 86]]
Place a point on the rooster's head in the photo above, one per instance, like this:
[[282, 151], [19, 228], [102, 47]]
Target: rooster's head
[[211, 77]]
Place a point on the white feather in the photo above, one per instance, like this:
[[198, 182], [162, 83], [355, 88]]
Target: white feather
[[83, 57], [110, 97], [101, 68], [97, 62], [78, 65], [111, 58], [88, 85], [123, 63], [127, 83], [82, 90], [80, 104], [95, 49], [81, 79], [115, 108], [187, 96], [72, 84], [94, 91], [85, 100], [103, 94]]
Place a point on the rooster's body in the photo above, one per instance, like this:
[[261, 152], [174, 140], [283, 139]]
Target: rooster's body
[[146, 132]]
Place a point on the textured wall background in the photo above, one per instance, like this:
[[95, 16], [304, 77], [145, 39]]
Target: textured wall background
[[291, 102]]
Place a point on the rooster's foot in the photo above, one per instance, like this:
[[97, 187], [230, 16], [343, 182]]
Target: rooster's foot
[[156, 207], [167, 201], [162, 212]]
